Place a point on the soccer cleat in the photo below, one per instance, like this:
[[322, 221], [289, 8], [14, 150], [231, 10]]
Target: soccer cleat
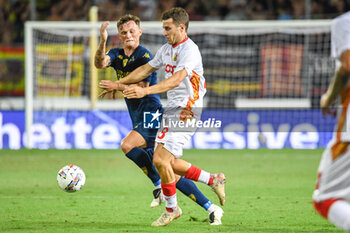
[[215, 216], [158, 198], [167, 217], [218, 186]]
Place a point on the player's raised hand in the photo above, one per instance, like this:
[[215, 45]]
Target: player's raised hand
[[103, 31], [134, 92]]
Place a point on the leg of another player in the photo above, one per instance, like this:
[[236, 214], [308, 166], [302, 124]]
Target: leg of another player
[[163, 161], [189, 188], [215, 181], [132, 146]]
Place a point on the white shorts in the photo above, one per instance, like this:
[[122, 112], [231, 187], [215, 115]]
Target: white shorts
[[334, 176], [340, 35], [174, 142], [174, 133]]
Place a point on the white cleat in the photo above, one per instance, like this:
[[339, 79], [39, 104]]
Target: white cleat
[[167, 217], [218, 187], [215, 216], [158, 198]]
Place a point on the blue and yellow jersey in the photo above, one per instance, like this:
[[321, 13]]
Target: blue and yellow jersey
[[124, 65]]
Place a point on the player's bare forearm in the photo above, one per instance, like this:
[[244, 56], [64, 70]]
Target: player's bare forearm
[[138, 74], [337, 84], [101, 59], [167, 84], [163, 86]]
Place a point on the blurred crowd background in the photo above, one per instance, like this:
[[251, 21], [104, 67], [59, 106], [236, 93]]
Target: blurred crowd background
[[13, 13]]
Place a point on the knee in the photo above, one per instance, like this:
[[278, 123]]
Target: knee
[[158, 162], [323, 207], [126, 146]]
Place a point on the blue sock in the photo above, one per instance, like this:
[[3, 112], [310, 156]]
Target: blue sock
[[142, 160], [188, 188], [150, 152]]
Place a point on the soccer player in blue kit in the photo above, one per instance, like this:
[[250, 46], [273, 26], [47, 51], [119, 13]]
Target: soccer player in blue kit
[[138, 145]]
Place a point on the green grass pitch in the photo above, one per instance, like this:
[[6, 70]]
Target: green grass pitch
[[267, 191]]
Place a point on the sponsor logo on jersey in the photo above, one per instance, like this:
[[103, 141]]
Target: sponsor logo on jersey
[[169, 68], [121, 74]]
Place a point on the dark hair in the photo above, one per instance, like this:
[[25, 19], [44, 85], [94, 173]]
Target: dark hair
[[178, 14], [126, 18]]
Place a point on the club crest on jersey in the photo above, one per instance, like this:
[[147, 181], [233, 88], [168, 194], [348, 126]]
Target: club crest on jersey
[[175, 57], [125, 61]]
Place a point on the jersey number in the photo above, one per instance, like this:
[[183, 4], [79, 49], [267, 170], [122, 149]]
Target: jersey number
[[162, 134]]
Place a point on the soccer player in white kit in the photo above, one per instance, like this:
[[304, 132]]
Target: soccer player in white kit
[[185, 87], [332, 191]]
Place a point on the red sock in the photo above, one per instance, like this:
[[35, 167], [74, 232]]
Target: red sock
[[169, 191], [323, 206], [197, 174], [193, 173]]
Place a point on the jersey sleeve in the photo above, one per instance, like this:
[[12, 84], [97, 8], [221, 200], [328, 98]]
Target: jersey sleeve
[[146, 56], [188, 59], [157, 62], [113, 54]]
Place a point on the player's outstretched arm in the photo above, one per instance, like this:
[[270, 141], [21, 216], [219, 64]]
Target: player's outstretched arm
[[101, 59], [163, 86], [138, 74]]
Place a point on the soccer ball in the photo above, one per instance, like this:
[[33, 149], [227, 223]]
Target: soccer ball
[[71, 178]]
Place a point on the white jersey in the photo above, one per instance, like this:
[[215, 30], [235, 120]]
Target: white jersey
[[184, 55], [340, 35]]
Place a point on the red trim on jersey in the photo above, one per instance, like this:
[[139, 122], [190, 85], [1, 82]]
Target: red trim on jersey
[[169, 189], [193, 173], [323, 206], [174, 46], [339, 147]]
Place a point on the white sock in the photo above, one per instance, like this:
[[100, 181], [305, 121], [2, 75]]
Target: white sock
[[211, 209], [204, 177], [157, 186], [339, 214], [171, 202]]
